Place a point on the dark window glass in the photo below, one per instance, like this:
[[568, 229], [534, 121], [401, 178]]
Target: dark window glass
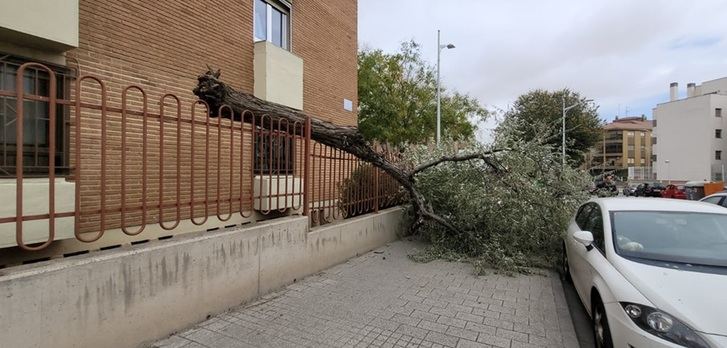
[[261, 20], [36, 120], [718, 133], [718, 155], [713, 200], [718, 112], [274, 156], [594, 224], [582, 216]]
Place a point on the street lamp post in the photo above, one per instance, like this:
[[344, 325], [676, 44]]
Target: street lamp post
[[668, 171], [565, 110], [440, 47]]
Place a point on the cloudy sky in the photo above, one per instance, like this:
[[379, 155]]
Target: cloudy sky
[[621, 53]]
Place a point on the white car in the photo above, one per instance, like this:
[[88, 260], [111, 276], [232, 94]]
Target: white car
[[651, 272], [717, 198]]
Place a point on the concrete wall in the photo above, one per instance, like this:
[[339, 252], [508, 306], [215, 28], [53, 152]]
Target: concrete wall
[[47, 24], [278, 75], [122, 298]]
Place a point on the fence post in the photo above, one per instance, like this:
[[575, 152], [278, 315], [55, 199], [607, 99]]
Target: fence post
[[306, 168], [377, 192]]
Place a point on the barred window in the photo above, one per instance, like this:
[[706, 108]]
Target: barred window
[[274, 155], [36, 113]]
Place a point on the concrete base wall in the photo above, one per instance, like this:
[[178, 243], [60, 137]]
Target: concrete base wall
[[123, 298]]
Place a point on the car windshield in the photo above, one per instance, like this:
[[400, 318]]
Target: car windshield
[[681, 237]]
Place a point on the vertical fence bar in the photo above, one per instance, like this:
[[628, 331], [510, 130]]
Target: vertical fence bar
[[143, 161], [78, 176], [161, 161], [306, 168], [19, 87], [192, 161], [376, 190]]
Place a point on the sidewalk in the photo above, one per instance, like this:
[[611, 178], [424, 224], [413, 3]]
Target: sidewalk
[[383, 299]]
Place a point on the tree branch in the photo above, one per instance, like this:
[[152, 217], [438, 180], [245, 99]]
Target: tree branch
[[485, 156]]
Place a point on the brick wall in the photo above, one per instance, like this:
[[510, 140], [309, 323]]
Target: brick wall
[[162, 47]]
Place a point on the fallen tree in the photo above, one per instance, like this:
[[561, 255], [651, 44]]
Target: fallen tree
[[346, 138]]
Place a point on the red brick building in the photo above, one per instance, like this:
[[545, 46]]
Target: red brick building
[[301, 53]]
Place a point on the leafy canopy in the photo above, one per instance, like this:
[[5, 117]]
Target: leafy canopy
[[540, 109], [397, 100], [512, 216]]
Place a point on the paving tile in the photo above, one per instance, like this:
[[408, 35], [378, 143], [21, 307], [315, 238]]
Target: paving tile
[[371, 302]]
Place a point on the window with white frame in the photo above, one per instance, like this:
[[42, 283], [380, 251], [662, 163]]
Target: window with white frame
[[272, 22]]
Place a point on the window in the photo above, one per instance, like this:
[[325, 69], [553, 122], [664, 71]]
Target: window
[[36, 114], [594, 224], [582, 216], [713, 200], [631, 161], [272, 22], [274, 155], [653, 140], [718, 112], [718, 133], [718, 155]]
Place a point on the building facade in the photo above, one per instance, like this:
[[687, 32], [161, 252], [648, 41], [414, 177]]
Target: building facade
[[148, 55], [689, 133], [626, 143]]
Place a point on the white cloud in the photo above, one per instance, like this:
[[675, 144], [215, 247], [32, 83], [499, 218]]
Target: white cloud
[[618, 52]]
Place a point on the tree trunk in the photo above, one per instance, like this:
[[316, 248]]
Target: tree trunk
[[346, 138]]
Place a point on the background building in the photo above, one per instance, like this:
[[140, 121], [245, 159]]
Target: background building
[[626, 144], [689, 133]]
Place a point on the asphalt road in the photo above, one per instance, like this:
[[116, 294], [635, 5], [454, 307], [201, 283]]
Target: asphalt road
[[581, 321]]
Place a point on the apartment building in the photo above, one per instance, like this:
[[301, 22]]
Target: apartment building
[[689, 133], [139, 166], [626, 143]]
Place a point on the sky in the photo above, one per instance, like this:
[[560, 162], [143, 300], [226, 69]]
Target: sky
[[621, 53]]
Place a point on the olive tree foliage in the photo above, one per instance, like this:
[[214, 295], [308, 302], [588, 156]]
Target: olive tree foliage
[[512, 211], [397, 100], [541, 109]]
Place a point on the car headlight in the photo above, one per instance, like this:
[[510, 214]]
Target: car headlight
[[663, 325]]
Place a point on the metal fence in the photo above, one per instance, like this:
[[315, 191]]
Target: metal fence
[[136, 161]]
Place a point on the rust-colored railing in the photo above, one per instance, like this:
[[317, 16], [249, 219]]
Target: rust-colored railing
[[138, 161]]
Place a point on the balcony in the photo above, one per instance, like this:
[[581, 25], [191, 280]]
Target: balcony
[[41, 24], [278, 75]]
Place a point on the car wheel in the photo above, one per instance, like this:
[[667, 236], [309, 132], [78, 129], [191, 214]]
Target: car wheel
[[601, 331], [565, 266]]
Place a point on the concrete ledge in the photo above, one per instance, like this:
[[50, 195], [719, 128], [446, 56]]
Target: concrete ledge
[[123, 298]]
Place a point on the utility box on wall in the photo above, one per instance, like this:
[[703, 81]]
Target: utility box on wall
[[272, 192]]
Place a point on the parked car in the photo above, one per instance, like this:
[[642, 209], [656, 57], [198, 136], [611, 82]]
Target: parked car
[[656, 189], [629, 190], [674, 191], [719, 198], [650, 272]]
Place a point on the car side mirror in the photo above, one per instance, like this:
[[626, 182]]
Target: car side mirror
[[585, 238]]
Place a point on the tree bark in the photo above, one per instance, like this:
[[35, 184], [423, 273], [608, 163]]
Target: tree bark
[[216, 93]]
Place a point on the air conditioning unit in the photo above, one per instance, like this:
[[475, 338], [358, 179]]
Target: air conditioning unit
[[273, 192]]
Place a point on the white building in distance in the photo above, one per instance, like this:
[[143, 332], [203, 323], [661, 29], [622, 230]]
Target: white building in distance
[[689, 141]]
